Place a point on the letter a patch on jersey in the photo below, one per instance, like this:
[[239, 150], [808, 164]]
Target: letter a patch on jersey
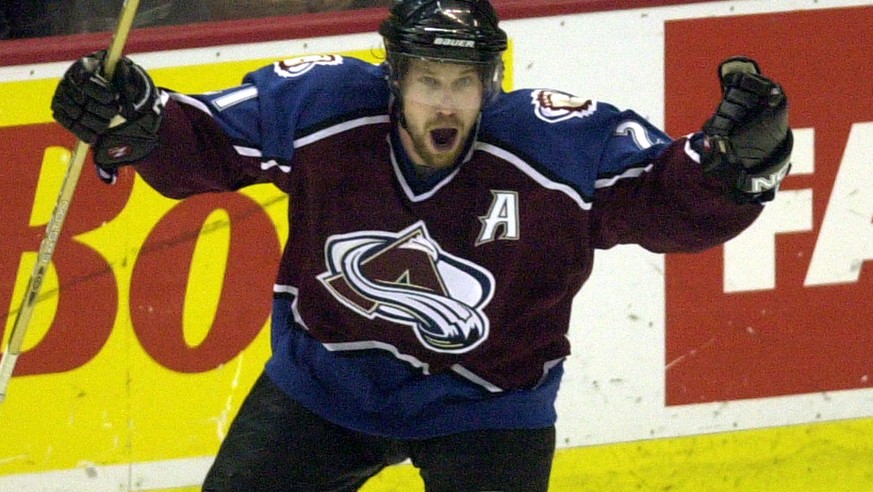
[[407, 278], [501, 222]]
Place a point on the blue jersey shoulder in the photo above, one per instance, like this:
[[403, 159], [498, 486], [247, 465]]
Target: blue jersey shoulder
[[570, 139], [296, 97], [323, 87]]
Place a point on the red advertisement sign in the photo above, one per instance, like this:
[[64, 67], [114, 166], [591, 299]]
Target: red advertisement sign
[[87, 300], [812, 329]]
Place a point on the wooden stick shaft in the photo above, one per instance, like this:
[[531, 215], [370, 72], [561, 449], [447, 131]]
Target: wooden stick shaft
[[59, 214]]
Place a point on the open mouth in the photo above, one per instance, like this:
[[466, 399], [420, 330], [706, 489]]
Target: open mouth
[[444, 138]]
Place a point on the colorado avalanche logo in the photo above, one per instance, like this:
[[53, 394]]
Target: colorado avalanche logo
[[554, 107], [296, 67], [407, 278]]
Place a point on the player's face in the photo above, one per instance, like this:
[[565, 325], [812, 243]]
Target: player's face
[[441, 103]]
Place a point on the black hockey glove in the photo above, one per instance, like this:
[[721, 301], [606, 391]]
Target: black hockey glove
[[85, 103], [747, 143]]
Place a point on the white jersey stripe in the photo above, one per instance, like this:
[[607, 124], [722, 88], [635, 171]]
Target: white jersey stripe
[[342, 127], [533, 173], [634, 172], [247, 151], [223, 102], [190, 101], [373, 344], [294, 292]]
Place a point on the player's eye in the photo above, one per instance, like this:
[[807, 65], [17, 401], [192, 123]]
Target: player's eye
[[463, 83], [428, 81]]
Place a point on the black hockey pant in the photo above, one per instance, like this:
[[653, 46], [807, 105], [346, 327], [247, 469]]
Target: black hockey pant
[[275, 444]]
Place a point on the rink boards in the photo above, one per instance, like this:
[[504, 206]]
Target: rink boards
[[734, 369]]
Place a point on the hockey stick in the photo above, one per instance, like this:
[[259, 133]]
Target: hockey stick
[[59, 214]]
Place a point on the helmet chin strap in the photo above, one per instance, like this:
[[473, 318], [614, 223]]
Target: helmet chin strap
[[395, 105]]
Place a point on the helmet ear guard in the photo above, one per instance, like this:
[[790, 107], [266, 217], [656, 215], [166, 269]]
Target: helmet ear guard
[[452, 31]]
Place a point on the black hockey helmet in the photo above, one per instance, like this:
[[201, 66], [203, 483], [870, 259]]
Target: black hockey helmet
[[456, 31]]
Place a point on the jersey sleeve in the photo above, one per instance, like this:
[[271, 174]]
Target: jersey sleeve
[[651, 190], [636, 184], [225, 140], [195, 155]]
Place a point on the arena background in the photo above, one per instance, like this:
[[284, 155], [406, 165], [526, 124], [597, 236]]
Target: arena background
[[746, 367]]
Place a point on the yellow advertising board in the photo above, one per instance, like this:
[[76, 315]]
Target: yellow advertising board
[[92, 388]]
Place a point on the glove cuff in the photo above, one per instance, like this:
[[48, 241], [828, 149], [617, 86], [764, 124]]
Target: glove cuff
[[770, 173], [754, 185], [130, 142]]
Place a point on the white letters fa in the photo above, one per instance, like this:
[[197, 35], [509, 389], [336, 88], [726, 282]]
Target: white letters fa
[[845, 238], [502, 216]]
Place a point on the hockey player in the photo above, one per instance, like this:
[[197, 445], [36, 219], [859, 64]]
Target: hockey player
[[440, 230]]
